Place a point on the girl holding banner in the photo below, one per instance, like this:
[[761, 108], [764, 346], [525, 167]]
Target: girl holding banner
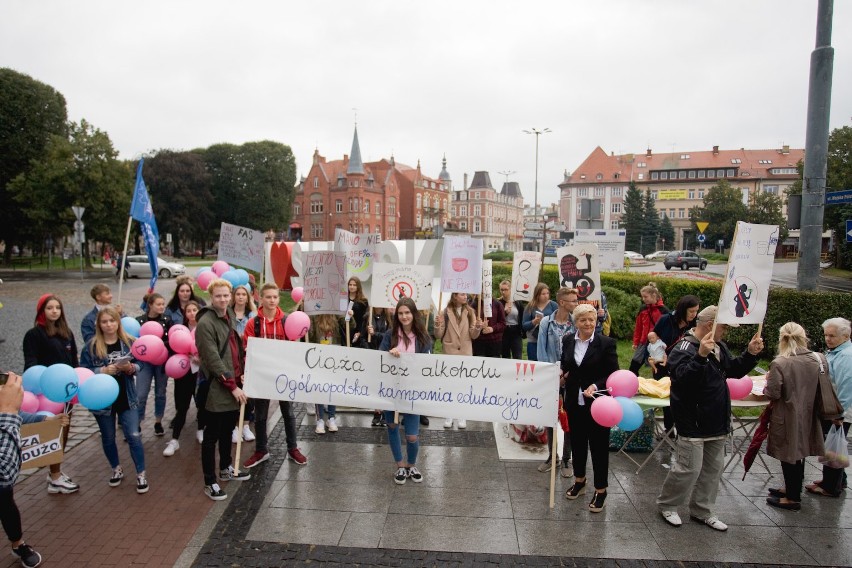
[[457, 327], [407, 335], [325, 330]]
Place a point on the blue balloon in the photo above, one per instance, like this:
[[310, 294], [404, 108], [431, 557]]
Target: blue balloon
[[205, 269], [244, 277], [632, 414], [59, 383], [32, 379], [98, 392], [131, 326], [47, 413], [233, 277]]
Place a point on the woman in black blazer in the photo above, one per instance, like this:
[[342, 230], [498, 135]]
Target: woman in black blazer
[[597, 360]]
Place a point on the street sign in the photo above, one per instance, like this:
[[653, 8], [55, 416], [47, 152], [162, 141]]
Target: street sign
[[849, 230], [702, 226], [532, 225], [533, 234], [79, 226], [558, 242], [701, 238], [550, 251], [78, 211], [838, 197]]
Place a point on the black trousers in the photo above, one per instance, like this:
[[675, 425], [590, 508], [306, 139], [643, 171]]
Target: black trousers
[[587, 435], [184, 391], [512, 344], [487, 349], [201, 391], [833, 478], [9, 514], [219, 427], [794, 474], [261, 414]]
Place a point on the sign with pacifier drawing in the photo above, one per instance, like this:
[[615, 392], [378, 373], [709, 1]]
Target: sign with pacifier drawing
[[525, 268], [241, 246], [359, 250], [461, 265], [391, 282], [324, 283], [487, 287], [40, 444], [750, 263], [474, 388], [578, 268]]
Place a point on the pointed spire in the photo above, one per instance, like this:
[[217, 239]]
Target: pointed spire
[[356, 166], [444, 175]]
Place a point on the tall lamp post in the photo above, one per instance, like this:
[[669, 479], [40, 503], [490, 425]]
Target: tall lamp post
[[538, 133]]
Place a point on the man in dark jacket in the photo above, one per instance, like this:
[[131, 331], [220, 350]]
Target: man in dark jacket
[[700, 364]]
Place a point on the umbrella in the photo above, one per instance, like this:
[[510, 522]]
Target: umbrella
[[760, 434]]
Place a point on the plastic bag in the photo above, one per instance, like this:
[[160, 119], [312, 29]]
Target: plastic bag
[[836, 449]]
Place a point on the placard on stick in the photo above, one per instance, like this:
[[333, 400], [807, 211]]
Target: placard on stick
[[40, 444]]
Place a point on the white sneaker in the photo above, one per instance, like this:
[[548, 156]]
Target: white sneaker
[[448, 423], [332, 424], [171, 447], [320, 427], [672, 518], [712, 522], [235, 435], [62, 485], [311, 409], [247, 434], [199, 435], [462, 424]]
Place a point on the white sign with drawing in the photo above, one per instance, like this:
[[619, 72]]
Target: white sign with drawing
[[461, 265], [525, 268], [241, 246], [392, 282], [750, 263], [324, 283]]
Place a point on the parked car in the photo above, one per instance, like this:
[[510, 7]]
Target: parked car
[[137, 265], [633, 256], [657, 255], [686, 259]]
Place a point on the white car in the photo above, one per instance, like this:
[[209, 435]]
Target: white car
[[137, 265], [633, 256], [657, 255]]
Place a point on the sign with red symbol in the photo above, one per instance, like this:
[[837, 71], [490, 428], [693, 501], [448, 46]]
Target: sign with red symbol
[[392, 282], [461, 265], [525, 268]]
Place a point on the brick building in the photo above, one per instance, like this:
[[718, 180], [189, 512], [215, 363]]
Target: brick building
[[495, 217]]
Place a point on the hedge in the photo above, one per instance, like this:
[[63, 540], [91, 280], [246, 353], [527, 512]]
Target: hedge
[[809, 309]]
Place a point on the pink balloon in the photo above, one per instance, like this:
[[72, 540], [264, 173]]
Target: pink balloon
[[177, 327], [205, 278], [83, 373], [181, 341], [606, 411], [46, 404], [160, 358], [220, 267], [151, 328], [740, 388], [30, 403], [147, 347], [623, 383], [177, 366], [297, 325], [194, 350], [297, 293]]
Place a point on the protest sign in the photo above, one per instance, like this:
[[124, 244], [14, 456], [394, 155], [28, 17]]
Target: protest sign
[[461, 265], [40, 444], [324, 283], [750, 263], [359, 251], [241, 246], [487, 287], [578, 268], [394, 281], [474, 388], [610, 245], [525, 268]]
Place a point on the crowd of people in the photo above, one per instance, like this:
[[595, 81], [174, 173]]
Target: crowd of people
[[810, 392]]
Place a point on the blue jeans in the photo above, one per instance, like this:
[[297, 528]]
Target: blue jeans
[[129, 420], [411, 422], [532, 351], [143, 387], [322, 410]]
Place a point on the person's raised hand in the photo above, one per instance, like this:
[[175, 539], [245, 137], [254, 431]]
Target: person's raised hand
[[708, 344], [11, 395]]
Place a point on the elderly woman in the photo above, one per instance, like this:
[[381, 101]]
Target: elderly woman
[[797, 382], [588, 358]]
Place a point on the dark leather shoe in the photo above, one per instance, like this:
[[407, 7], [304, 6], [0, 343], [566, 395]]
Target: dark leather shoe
[[791, 506], [777, 493], [424, 420]]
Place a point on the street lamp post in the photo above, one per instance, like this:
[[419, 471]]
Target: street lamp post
[[538, 133]]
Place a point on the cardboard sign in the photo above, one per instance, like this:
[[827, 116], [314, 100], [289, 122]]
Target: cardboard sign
[[526, 266], [241, 246], [578, 268], [40, 444], [750, 263], [394, 281], [610, 245], [475, 388], [461, 265], [359, 251], [487, 287], [324, 283]]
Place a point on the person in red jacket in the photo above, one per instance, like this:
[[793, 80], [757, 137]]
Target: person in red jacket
[[650, 312], [269, 323]]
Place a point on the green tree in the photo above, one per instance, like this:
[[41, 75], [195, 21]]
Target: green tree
[[30, 113], [650, 225], [82, 169], [631, 219], [766, 209], [667, 233], [839, 177], [723, 207]]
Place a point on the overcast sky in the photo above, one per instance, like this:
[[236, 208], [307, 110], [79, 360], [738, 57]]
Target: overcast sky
[[462, 78]]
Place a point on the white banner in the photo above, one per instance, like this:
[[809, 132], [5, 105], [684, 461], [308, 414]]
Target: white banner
[[359, 250], [474, 388], [750, 264], [394, 281], [461, 265], [578, 268], [324, 283], [487, 287], [610, 245], [526, 266], [241, 246]]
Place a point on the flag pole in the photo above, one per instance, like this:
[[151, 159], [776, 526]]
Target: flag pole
[[123, 262]]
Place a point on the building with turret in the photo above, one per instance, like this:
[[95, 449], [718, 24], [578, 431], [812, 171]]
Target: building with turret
[[496, 217]]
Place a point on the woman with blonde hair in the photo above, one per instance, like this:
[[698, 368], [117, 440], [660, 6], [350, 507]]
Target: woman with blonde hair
[[799, 385]]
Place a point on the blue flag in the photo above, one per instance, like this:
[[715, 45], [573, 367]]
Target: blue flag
[[141, 210]]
